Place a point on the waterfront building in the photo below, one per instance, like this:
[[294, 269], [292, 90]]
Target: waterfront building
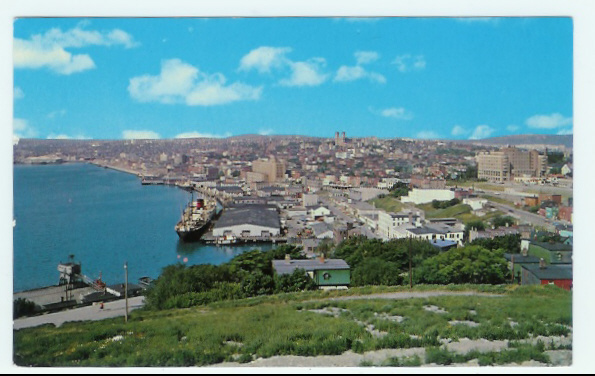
[[243, 221]]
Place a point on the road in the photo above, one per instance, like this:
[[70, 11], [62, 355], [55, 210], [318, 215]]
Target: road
[[93, 312], [525, 216]]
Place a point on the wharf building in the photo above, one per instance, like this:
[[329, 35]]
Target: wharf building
[[246, 221], [510, 163]]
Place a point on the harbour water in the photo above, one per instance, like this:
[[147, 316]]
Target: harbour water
[[104, 218]]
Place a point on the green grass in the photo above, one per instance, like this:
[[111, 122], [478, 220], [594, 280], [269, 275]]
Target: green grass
[[387, 203], [499, 200], [450, 212], [478, 185], [282, 325]]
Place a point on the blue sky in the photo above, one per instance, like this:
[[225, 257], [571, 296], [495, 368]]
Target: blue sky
[[452, 78]]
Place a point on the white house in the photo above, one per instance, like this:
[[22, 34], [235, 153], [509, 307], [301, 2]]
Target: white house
[[315, 212]]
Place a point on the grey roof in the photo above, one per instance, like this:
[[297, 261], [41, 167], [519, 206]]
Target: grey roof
[[258, 215], [320, 228], [520, 259], [550, 271], [282, 267], [427, 230], [555, 247]]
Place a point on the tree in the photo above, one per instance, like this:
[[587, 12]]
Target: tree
[[294, 282], [375, 271], [509, 243], [499, 221], [23, 307], [471, 264]]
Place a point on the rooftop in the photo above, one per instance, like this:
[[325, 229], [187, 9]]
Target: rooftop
[[550, 271], [554, 247], [520, 259], [258, 215], [283, 267]]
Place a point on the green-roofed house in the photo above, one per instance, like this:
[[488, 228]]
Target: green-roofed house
[[327, 273], [552, 253]]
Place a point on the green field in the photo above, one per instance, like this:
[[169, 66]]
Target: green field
[[387, 203], [286, 324], [477, 185], [462, 212]]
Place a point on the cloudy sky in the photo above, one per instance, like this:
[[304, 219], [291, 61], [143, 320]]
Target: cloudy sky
[[452, 78]]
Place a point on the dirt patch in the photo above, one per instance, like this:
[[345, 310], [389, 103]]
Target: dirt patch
[[472, 324], [435, 309], [385, 316]]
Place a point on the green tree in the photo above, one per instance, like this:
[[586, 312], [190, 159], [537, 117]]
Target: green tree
[[375, 271], [509, 243], [294, 282], [499, 221], [23, 307], [470, 264]]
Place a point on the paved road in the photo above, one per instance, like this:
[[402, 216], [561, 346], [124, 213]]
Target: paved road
[[525, 216], [93, 312]]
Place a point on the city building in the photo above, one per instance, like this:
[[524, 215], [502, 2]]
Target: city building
[[423, 196], [507, 163], [542, 274], [273, 169]]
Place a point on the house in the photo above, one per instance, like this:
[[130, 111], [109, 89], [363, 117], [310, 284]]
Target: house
[[326, 273], [322, 230], [476, 203], [516, 261], [316, 212], [309, 246], [551, 252], [542, 274]]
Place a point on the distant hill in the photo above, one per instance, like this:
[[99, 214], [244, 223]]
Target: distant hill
[[527, 139]]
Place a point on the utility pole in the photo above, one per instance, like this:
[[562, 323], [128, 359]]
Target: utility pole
[[410, 271], [126, 290]]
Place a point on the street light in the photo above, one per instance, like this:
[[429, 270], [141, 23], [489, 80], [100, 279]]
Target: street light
[[126, 290]]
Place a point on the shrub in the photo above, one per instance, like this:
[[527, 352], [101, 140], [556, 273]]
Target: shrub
[[24, 307]]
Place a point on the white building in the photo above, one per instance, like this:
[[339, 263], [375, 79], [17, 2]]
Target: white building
[[248, 221], [476, 203], [309, 199], [389, 223], [423, 196]]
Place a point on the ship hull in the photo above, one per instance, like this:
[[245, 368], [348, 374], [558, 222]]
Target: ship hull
[[194, 234]]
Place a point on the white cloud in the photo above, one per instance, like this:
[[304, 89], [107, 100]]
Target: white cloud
[[481, 131], [427, 135], [365, 57], [552, 121], [264, 58], [306, 73], [54, 114], [407, 63], [22, 129], [201, 135], [303, 73], [62, 136], [352, 73], [179, 82], [49, 50], [266, 132], [564, 131], [457, 130], [397, 113], [512, 128], [140, 135], [18, 93]]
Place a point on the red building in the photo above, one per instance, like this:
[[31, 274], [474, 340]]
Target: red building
[[559, 275]]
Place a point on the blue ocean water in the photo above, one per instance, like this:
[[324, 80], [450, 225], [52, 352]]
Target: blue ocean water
[[104, 218]]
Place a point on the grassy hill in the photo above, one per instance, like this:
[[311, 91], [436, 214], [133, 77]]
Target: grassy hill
[[388, 204], [311, 324]]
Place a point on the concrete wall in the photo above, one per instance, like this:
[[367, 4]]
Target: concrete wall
[[239, 229]]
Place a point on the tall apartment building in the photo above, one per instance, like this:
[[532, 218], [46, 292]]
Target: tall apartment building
[[510, 162], [273, 169]]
